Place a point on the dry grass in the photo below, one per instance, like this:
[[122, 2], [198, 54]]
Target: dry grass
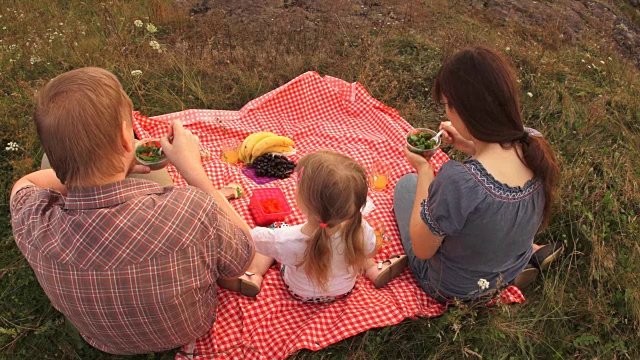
[[585, 98]]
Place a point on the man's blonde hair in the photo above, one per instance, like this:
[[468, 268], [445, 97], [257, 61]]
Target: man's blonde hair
[[333, 188], [79, 117]]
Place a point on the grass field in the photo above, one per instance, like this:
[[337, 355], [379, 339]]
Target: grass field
[[577, 86]]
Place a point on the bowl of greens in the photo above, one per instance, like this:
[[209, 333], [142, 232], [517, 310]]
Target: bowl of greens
[[420, 141], [149, 153]]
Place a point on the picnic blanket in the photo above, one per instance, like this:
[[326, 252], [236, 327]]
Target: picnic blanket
[[318, 113]]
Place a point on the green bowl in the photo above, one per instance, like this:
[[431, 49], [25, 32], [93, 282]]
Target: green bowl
[[153, 165], [427, 153]]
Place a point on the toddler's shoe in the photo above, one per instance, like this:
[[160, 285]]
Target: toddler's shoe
[[248, 284]]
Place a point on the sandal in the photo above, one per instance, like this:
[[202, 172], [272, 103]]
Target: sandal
[[543, 257], [243, 284], [381, 276], [526, 277]]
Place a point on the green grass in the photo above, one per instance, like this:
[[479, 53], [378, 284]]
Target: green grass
[[587, 306]]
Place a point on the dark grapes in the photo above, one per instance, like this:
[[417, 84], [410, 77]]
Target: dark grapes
[[273, 165]]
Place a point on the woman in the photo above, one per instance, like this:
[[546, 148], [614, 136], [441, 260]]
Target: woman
[[470, 230]]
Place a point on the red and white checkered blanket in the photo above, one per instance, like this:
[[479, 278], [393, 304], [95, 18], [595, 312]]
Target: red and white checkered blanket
[[318, 113]]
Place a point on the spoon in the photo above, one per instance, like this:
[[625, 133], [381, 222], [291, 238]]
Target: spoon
[[436, 137]]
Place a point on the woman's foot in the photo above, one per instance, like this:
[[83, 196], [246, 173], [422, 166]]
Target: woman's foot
[[546, 254], [248, 284], [383, 272], [527, 276]]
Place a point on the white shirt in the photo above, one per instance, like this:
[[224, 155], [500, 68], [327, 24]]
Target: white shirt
[[287, 246]]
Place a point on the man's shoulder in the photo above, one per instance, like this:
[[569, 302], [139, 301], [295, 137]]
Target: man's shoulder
[[195, 196], [30, 196]]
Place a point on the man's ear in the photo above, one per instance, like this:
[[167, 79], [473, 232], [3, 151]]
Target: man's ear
[[128, 143]]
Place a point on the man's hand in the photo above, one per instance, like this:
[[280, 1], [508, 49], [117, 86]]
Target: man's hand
[[184, 151], [139, 169]]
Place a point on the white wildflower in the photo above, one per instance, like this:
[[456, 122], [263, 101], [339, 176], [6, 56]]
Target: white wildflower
[[60, 24], [136, 72], [609, 58], [34, 59], [12, 146], [151, 28], [154, 45], [13, 47], [601, 62], [507, 49], [588, 66], [582, 60], [138, 23], [483, 284], [529, 94]]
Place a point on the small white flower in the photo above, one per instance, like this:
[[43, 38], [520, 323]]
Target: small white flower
[[138, 23], [136, 72], [507, 48], [34, 59], [529, 94], [609, 58], [582, 60], [12, 146], [154, 45], [588, 66], [601, 62], [13, 47], [483, 284], [60, 24], [151, 28]]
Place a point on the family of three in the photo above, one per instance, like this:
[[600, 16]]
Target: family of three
[[135, 265]]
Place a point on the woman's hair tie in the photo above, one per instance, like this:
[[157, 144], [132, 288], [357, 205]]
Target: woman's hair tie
[[524, 138], [323, 225]]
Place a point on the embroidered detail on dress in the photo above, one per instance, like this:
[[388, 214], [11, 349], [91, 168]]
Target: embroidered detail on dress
[[497, 189], [426, 217]]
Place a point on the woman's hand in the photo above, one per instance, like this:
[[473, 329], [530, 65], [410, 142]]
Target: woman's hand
[[453, 137], [419, 162]]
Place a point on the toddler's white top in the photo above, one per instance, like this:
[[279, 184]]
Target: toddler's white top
[[287, 245]]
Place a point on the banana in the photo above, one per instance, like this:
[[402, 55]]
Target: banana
[[244, 153], [269, 142], [278, 149]]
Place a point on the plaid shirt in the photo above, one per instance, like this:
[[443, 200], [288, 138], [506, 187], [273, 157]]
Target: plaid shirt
[[131, 264]]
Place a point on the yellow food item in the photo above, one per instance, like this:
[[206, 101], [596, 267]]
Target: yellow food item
[[270, 142], [380, 181], [244, 152], [230, 156]]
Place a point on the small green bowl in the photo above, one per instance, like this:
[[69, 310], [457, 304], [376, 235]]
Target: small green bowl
[[153, 165], [427, 153]]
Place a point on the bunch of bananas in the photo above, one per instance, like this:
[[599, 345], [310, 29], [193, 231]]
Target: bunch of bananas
[[261, 143]]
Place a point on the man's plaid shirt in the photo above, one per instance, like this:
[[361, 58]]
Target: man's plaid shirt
[[131, 264]]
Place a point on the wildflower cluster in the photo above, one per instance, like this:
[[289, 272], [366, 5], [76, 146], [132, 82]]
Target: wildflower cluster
[[151, 29], [483, 284], [12, 146]]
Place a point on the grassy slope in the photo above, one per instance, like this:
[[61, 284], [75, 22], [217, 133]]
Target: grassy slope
[[588, 305]]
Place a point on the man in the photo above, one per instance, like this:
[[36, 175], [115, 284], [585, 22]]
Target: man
[[131, 264]]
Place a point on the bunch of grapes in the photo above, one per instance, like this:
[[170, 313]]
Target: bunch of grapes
[[273, 165]]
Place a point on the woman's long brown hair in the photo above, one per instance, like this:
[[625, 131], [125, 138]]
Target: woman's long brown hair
[[333, 188], [481, 86]]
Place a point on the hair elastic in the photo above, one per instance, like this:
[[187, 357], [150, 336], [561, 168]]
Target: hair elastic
[[323, 225]]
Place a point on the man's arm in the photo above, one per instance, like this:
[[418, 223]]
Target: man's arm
[[45, 179], [184, 154]]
